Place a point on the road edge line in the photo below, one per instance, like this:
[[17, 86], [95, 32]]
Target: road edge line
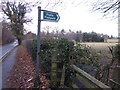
[[7, 54]]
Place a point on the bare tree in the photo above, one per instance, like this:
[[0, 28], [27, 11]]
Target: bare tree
[[16, 12], [106, 6]]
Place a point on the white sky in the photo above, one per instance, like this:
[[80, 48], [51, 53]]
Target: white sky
[[76, 18]]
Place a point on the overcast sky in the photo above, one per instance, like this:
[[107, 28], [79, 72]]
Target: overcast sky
[[76, 17]]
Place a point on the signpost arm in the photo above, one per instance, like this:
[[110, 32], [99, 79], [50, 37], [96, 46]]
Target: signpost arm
[[37, 79]]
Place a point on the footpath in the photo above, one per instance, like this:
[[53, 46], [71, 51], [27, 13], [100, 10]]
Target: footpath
[[7, 66], [22, 74]]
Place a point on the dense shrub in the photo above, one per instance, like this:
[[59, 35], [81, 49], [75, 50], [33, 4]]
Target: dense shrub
[[66, 52], [116, 71], [28, 45], [117, 52], [46, 49], [92, 37]]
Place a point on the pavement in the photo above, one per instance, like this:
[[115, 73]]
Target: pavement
[[7, 61], [7, 66]]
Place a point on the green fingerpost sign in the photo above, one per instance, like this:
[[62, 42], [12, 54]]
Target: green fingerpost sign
[[50, 16]]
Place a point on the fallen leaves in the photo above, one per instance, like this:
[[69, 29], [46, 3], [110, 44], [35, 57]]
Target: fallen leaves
[[45, 83], [23, 73]]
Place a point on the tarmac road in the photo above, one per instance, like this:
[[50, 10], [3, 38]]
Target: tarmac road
[[6, 49], [6, 64]]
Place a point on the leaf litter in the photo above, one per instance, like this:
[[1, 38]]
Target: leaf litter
[[23, 73]]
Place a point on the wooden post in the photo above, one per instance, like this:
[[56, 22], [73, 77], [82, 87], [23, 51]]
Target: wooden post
[[63, 77], [54, 69]]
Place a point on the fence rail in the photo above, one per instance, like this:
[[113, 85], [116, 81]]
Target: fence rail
[[84, 78], [87, 80], [114, 84]]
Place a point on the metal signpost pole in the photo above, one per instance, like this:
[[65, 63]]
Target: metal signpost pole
[[47, 16], [37, 80]]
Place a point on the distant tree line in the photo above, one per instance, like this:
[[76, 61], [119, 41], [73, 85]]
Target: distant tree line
[[78, 36]]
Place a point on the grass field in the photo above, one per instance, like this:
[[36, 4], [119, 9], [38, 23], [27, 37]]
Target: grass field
[[102, 49], [112, 40], [100, 46], [105, 57]]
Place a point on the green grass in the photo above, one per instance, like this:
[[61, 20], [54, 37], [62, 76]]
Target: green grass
[[112, 40]]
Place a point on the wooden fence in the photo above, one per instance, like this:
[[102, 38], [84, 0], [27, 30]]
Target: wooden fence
[[87, 80], [82, 77]]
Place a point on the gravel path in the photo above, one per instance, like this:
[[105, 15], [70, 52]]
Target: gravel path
[[7, 66]]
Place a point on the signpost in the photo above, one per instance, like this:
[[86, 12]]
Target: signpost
[[50, 16], [47, 16], [37, 80]]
